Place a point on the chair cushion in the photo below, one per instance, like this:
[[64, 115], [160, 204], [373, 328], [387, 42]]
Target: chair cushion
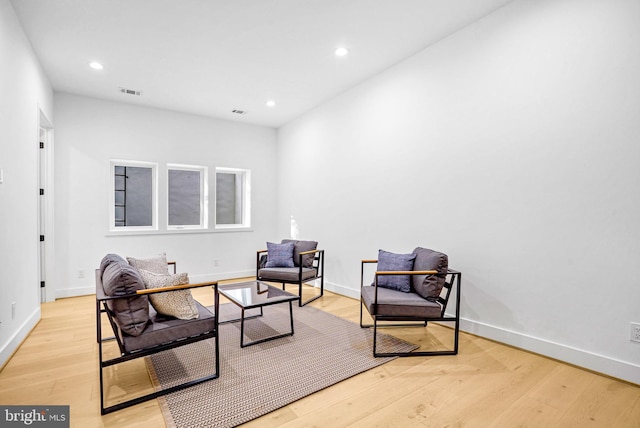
[[164, 329], [286, 274], [389, 262], [118, 279], [429, 286], [156, 264], [301, 247], [179, 304], [393, 303], [280, 255]]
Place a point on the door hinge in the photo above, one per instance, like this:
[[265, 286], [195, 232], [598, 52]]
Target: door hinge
[[41, 192], [41, 238], [41, 144], [41, 284]]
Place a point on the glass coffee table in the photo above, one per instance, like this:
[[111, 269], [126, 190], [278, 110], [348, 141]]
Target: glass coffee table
[[256, 294]]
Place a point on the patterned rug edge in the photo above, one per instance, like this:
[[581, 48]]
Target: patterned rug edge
[[171, 423], [162, 401]]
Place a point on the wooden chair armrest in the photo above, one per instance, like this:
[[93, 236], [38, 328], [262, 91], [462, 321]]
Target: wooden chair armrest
[[262, 251], [406, 272], [369, 261], [310, 252], [176, 287]]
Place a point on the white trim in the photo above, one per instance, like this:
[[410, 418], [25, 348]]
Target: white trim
[[19, 336], [222, 276], [244, 198], [178, 231], [75, 292], [154, 195], [47, 257], [342, 290], [624, 370]]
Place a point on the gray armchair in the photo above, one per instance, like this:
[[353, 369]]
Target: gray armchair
[[292, 262], [410, 287], [140, 329]]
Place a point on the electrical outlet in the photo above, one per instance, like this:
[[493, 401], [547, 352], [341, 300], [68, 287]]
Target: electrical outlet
[[81, 273], [635, 332], [216, 263]]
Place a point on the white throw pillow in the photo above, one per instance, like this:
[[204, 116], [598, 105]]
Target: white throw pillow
[[156, 264], [178, 303]]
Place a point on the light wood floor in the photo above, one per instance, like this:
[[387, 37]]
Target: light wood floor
[[486, 385]]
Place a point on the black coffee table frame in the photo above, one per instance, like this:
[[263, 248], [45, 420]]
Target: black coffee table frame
[[256, 294]]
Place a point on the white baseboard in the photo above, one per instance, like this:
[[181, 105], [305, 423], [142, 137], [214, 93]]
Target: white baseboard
[[74, 292], [19, 336], [342, 290], [222, 276], [624, 370], [618, 369]]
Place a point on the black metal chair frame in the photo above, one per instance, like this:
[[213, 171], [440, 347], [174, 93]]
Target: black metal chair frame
[[318, 265], [453, 280], [101, 308]]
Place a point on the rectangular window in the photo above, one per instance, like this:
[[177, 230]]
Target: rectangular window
[[233, 196], [134, 198], [187, 197], [133, 195]]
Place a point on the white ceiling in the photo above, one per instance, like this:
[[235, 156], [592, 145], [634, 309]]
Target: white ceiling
[[209, 57]]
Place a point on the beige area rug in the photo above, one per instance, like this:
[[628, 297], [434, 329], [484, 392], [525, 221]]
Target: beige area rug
[[259, 379]]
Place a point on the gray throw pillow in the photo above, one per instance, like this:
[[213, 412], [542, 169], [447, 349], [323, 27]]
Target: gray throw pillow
[[108, 259], [301, 247], [118, 279], [393, 262], [429, 286], [279, 255]]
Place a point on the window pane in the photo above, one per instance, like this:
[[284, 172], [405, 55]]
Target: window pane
[[119, 219], [120, 180], [119, 198], [232, 197], [184, 197], [133, 187], [226, 199]]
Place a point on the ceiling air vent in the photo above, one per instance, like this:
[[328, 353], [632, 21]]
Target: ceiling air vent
[[236, 111], [130, 91]]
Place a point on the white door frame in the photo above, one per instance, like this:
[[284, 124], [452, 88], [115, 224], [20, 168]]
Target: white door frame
[[45, 209]]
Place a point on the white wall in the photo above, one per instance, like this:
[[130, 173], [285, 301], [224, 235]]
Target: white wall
[[90, 132], [25, 91], [514, 147]]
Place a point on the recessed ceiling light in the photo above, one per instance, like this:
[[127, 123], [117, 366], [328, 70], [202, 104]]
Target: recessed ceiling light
[[96, 65], [341, 51], [271, 103]]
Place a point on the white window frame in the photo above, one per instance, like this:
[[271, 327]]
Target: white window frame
[[204, 196], [154, 195], [244, 198]]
